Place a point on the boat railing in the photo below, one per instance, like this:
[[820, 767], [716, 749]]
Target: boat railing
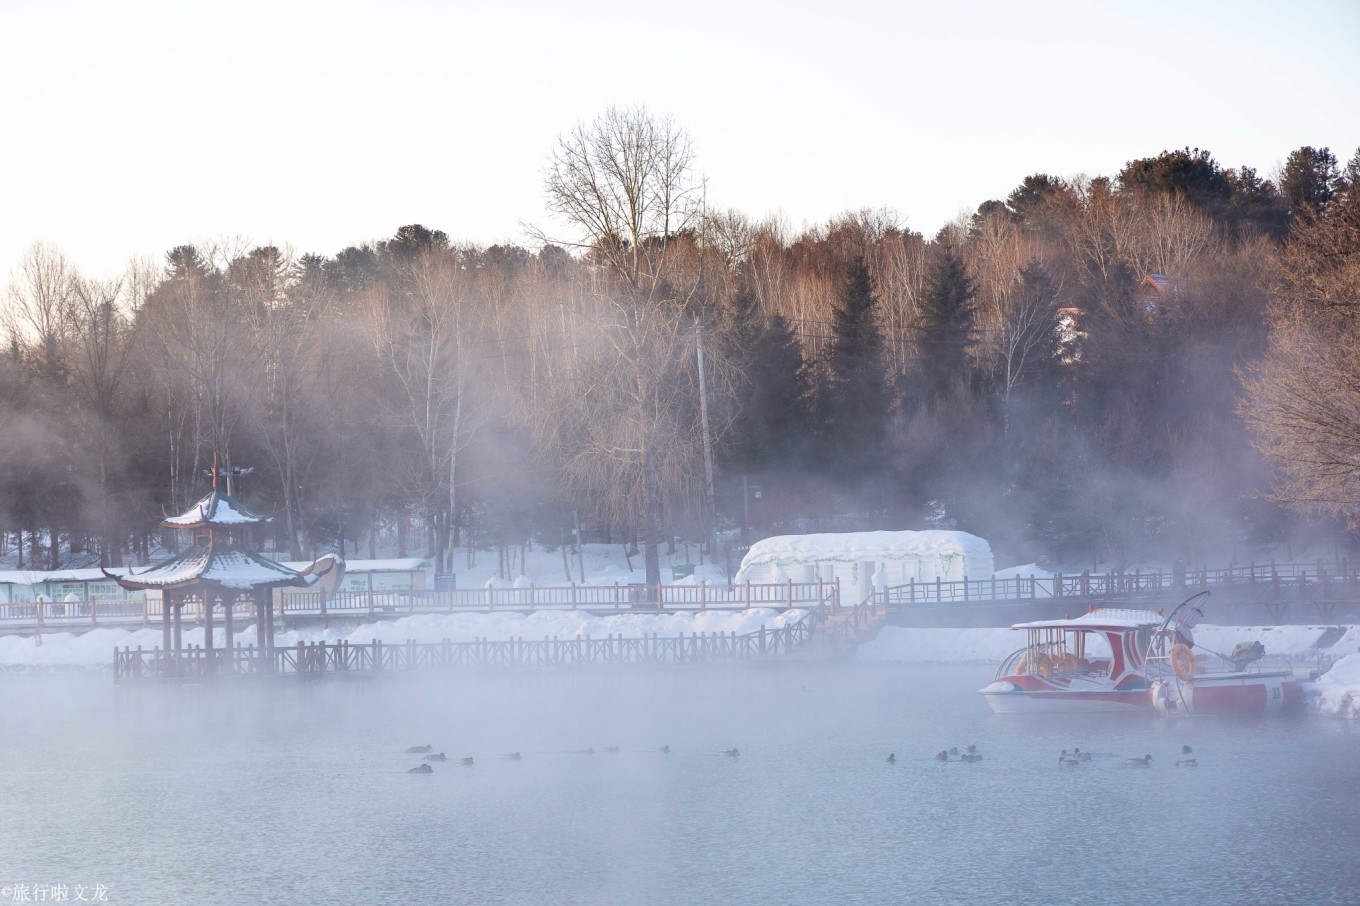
[[1008, 665]]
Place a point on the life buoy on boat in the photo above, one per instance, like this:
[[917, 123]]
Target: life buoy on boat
[[1182, 662]]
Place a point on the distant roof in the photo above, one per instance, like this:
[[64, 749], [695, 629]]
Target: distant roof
[[225, 565], [399, 565], [218, 508], [1161, 283], [37, 576]]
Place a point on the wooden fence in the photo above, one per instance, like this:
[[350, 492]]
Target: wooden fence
[[377, 657]]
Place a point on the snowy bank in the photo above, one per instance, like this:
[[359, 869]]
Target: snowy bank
[[897, 644], [1337, 692]]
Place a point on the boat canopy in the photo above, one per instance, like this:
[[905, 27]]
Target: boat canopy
[[1101, 620]]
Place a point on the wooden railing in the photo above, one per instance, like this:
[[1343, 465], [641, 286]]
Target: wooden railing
[[362, 604], [615, 597], [1263, 582]]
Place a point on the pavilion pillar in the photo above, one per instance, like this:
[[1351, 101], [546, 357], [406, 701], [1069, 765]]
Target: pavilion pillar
[[179, 619], [211, 666], [227, 601], [264, 609], [167, 601]]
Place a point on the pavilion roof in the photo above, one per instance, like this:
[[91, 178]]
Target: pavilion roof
[[217, 508], [216, 564]]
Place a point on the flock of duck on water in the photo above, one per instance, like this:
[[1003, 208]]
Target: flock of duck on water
[[431, 755], [965, 754], [1066, 759]]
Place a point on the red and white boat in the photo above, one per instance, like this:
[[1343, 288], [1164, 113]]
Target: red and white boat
[[1180, 681], [1093, 662], [1135, 660]]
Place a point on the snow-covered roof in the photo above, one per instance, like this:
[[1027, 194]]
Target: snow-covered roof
[[226, 565], [218, 508], [1105, 618], [853, 547]]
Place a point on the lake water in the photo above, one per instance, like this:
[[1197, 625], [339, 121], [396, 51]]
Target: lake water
[[297, 792]]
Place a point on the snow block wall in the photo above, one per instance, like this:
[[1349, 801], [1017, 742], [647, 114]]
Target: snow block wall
[[853, 557]]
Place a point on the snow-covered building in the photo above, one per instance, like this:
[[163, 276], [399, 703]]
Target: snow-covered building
[[854, 557]]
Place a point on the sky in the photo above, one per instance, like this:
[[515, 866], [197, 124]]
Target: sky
[[135, 127]]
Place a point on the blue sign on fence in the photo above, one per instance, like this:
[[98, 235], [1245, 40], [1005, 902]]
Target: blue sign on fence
[[445, 581]]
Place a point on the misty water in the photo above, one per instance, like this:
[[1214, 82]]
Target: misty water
[[290, 792]]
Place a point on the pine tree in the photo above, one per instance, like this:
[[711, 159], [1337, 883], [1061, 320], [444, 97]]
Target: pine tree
[[944, 326], [855, 402]]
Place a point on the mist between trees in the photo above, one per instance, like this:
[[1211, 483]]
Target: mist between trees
[[1021, 375]]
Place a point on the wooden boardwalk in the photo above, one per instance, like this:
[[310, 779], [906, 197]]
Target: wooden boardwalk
[[297, 608], [1257, 594], [824, 633]]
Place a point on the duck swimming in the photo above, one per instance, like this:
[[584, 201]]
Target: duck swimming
[[465, 762], [664, 750], [438, 756], [421, 769], [1066, 760], [1139, 762], [941, 756], [730, 753], [892, 758]]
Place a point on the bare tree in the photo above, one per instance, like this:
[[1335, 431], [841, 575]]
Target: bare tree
[[626, 186], [40, 297], [423, 330], [1303, 399]]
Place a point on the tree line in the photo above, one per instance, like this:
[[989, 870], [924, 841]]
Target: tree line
[[1158, 363]]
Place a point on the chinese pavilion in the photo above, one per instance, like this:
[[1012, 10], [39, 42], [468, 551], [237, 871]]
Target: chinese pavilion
[[218, 569]]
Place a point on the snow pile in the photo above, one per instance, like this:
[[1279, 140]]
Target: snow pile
[[95, 648], [1280, 641], [1337, 692], [922, 557]]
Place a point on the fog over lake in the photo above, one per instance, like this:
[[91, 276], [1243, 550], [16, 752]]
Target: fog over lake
[[287, 791]]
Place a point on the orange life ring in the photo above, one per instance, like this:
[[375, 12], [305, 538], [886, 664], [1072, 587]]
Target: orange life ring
[[1020, 667], [1183, 662]]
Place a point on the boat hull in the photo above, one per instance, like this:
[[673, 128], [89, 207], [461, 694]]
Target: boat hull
[[1228, 693], [1022, 695]]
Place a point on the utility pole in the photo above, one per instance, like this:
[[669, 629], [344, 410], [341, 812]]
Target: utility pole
[[712, 509]]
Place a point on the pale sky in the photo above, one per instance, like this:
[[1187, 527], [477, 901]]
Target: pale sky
[[133, 127]]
